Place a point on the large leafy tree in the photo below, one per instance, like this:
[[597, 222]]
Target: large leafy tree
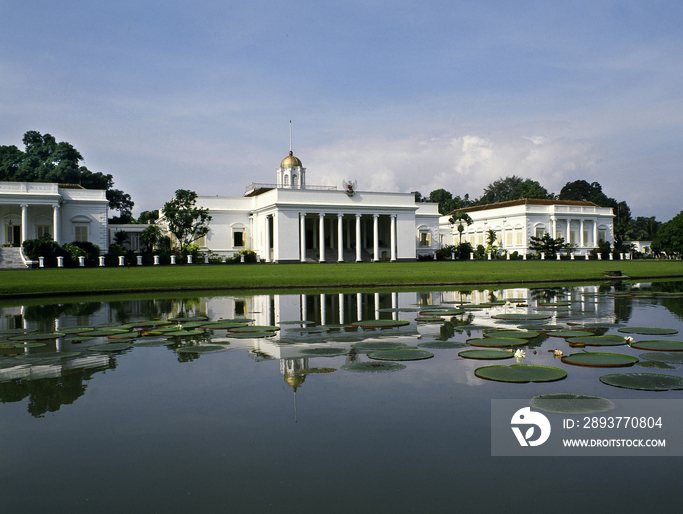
[[185, 220], [447, 202], [513, 188], [642, 229], [669, 237], [46, 160]]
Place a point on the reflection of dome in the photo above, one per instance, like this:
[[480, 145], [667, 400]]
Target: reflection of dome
[[291, 161], [295, 380]]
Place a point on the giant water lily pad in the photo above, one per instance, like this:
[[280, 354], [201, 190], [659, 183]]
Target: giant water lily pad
[[655, 365], [524, 317], [380, 323], [206, 348], [600, 360], [189, 319], [255, 328], [520, 373], [373, 367], [29, 345], [249, 335], [486, 354], [671, 358], [441, 312], [650, 331], [659, 346], [47, 355], [608, 340], [516, 334], [569, 333], [296, 322], [36, 337], [110, 347], [644, 381], [377, 345], [496, 342], [568, 403], [401, 354], [184, 333], [398, 309], [430, 319], [315, 371], [324, 352], [442, 345]]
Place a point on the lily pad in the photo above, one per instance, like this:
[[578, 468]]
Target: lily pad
[[659, 346], [255, 328], [486, 354], [29, 345], [249, 335], [401, 354], [568, 333], [184, 333], [154, 342], [380, 323], [496, 342], [189, 319], [442, 345], [600, 360], [568, 403], [650, 331], [521, 316], [655, 365], [48, 355], [377, 345], [313, 371], [373, 367], [324, 352], [671, 358], [521, 373], [644, 381], [398, 309], [444, 312], [206, 348], [110, 347], [296, 322], [608, 340], [430, 319], [36, 337], [517, 334], [307, 330]]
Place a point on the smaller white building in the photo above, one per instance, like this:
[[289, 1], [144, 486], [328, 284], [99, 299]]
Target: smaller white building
[[28, 210], [583, 224]]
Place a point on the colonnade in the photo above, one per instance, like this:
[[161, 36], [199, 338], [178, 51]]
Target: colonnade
[[24, 223], [567, 222], [344, 226]]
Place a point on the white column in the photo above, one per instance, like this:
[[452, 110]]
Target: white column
[[322, 236], [394, 305], [582, 242], [595, 233], [323, 313], [359, 306], [304, 308], [358, 249], [554, 223], [341, 308], [375, 237], [376, 305], [267, 238], [24, 222], [340, 238], [55, 222], [393, 238], [302, 235]]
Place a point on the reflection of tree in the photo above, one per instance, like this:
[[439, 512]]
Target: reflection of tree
[[49, 394], [547, 295], [623, 309], [50, 312], [673, 305], [184, 343]]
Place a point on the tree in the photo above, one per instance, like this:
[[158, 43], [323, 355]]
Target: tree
[[642, 229], [46, 160], [186, 221], [513, 188], [148, 217], [669, 237], [150, 237], [547, 245], [459, 218], [443, 198], [118, 200]]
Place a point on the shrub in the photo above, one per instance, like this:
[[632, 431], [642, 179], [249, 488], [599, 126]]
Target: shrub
[[43, 247]]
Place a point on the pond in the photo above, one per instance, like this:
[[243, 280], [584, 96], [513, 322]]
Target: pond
[[189, 415]]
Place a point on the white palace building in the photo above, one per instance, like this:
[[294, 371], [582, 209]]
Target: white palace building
[[291, 221]]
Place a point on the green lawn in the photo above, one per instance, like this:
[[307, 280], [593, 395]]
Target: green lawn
[[273, 276]]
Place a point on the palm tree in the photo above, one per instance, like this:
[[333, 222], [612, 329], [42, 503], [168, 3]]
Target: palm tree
[[459, 218]]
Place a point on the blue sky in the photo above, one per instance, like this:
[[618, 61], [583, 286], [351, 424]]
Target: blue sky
[[400, 95]]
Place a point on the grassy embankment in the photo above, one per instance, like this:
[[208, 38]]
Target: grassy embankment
[[171, 278]]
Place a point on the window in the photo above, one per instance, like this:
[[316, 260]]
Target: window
[[201, 241], [238, 238], [540, 231], [472, 239], [286, 180], [558, 234], [518, 233], [135, 242], [480, 239], [572, 237], [294, 181], [585, 236], [425, 238], [601, 235], [41, 230], [81, 232], [499, 238], [508, 238]]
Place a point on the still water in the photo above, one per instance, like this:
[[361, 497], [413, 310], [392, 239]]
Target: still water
[[245, 429]]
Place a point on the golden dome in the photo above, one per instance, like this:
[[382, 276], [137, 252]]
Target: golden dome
[[294, 380], [291, 161]]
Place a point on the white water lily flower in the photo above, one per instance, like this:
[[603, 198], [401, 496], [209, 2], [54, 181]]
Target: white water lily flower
[[557, 353], [629, 340], [519, 354]]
